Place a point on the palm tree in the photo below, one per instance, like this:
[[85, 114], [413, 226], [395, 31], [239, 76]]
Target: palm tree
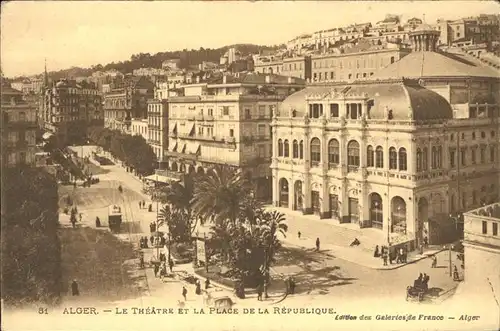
[[268, 227], [221, 195]]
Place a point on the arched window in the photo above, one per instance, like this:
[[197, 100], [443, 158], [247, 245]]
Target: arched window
[[353, 153], [333, 152], [301, 149], [370, 162], [379, 153], [419, 160], [436, 157], [393, 158], [425, 155], [295, 149], [402, 159], [280, 147], [315, 151], [286, 152]]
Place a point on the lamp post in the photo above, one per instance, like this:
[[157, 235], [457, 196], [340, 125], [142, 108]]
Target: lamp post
[[449, 257]]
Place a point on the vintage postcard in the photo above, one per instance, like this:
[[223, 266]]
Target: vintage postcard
[[264, 165]]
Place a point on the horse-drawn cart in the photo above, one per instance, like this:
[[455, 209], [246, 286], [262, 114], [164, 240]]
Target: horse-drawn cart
[[415, 293]]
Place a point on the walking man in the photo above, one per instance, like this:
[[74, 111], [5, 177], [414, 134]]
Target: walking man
[[184, 293], [317, 244], [434, 261], [171, 266], [74, 288], [207, 282], [259, 292]]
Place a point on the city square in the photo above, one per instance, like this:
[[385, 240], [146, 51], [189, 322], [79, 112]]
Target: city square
[[343, 178]]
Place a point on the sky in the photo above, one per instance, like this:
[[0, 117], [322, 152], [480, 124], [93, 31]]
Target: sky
[[96, 32]]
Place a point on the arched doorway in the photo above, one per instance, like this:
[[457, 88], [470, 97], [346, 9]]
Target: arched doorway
[[298, 195], [283, 193], [174, 166], [422, 219], [398, 215], [376, 211]]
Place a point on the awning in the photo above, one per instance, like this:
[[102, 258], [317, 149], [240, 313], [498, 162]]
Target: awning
[[173, 128], [172, 145], [47, 135], [192, 148], [181, 148], [160, 179], [189, 128]]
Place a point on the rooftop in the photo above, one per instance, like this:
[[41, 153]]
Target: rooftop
[[435, 64], [404, 98]]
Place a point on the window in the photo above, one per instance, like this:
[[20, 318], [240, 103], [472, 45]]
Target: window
[[301, 150], [393, 158], [22, 116], [463, 156], [225, 110], [247, 114], [333, 152], [492, 153], [370, 162], [210, 112], [287, 149], [231, 132], [280, 147], [353, 153], [334, 110], [483, 134], [295, 149], [419, 160], [452, 136], [402, 159], [473, 135], [473, 155], [315, 151], [492, 134], [379, 153], [495, 228], [262, 111], [262, 130], [485, 227]]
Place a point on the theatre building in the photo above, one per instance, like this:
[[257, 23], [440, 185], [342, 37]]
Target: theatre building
[[403, 155]]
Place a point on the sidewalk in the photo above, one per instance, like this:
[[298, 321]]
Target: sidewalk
[[335, 239]]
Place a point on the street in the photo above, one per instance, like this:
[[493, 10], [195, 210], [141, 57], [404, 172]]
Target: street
[[316, 273]]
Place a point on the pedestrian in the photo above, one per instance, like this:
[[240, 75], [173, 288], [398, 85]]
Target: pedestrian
[[299, 234], [434, 261], [156, 269], [141, 261], [97, 222], [145, 240], [317, 244], [74, 288], [171, 266], [455, 273], [198, 287], [260, 291], [184, 293], [152, 239], [140, 205], [426, 241], [384, 257], [292, 285], [376, 253], [207, 283]]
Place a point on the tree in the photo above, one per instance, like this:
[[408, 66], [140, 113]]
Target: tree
[[221, 195], [31, 265]]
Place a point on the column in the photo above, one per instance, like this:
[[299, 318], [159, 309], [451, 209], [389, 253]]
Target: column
[[411, 157], [291, 193], [325, 205], [306, 187], [275, 188], [386, 212]]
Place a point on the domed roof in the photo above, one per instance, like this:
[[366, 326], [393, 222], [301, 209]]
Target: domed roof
[[406, 101], [424, 27]]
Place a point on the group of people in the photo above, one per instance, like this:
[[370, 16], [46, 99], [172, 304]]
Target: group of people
[[143, 242], [197, 289], [397, 255], [152, 227], [422, 282], [142, 204]]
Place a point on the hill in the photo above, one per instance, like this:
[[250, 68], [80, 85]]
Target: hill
[[145, 60]]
